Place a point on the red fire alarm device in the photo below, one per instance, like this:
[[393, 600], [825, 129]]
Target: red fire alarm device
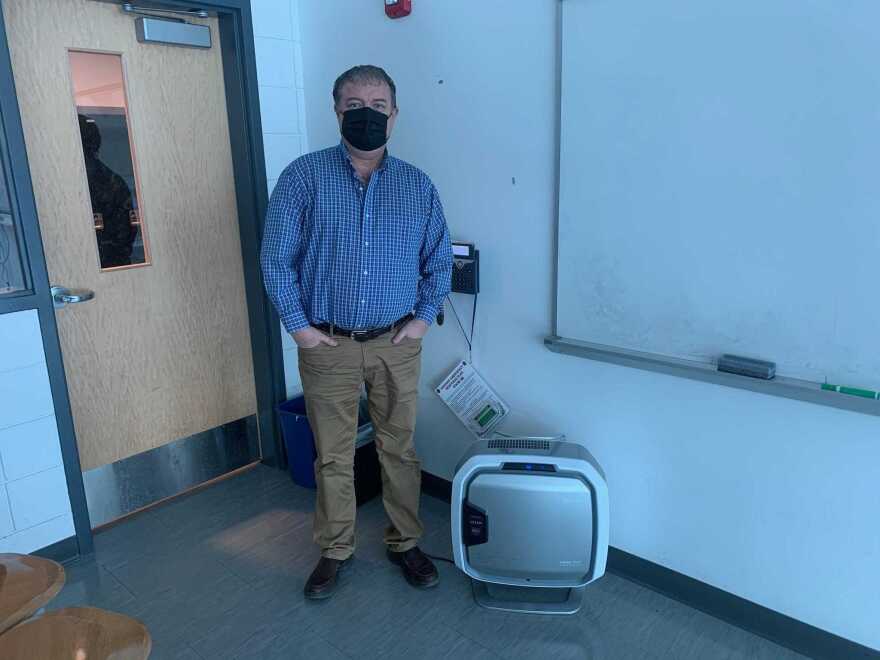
[[398, 8]]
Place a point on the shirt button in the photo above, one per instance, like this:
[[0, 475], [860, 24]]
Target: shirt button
[[367, 243], [362, 302], [365, 273]]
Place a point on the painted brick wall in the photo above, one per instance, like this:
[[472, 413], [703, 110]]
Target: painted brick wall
[[282, 108], [34, 504]]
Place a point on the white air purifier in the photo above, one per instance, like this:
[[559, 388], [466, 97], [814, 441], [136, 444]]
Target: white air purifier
[[530, 523]]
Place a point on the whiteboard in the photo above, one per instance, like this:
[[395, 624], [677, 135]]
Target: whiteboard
[[720, 181]]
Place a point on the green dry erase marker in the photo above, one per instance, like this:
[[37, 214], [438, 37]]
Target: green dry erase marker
[[855, 391]]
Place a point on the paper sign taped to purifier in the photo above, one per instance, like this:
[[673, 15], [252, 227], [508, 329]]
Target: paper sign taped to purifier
[[476, 404]]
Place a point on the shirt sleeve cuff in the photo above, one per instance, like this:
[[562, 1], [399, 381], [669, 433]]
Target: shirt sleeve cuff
[[294, 321], [426, 313]]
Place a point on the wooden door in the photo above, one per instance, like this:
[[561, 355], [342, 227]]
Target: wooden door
[[163, 351]]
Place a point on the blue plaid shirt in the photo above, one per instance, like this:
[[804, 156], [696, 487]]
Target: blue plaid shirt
[[357, 255]]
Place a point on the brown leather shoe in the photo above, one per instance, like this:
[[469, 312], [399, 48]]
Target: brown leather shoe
[[322, 582], [418, 569]]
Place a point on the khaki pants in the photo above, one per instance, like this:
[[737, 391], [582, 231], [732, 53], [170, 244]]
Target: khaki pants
[[332, 377]]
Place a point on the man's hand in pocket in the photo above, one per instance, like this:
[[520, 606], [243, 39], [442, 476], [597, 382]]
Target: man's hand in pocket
[[312, 337]]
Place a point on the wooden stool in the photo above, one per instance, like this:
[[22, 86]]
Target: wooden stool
[[77, 633], [26, 584]]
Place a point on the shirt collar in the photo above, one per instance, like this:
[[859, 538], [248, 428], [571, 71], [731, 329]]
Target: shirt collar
[[386, 163]]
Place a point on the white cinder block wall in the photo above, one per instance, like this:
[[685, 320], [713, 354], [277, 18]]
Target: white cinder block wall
[[282, 109], [34, 504]]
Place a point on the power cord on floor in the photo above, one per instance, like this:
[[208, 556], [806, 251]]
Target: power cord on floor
[[448, 561]]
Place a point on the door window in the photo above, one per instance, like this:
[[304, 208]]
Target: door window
[[102, 113], [12, 271]]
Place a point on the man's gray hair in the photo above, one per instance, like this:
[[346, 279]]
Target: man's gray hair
[[364, 73]]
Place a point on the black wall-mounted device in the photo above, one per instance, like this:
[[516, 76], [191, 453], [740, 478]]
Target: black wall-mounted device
[[465, 268]]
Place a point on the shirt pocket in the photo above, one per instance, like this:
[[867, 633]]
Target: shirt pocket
[[402, 228]]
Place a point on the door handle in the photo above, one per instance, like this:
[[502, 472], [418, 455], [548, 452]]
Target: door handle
[[62, 296]]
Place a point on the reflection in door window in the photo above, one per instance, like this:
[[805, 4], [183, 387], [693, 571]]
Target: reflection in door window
[[102, 112], [12, 274]]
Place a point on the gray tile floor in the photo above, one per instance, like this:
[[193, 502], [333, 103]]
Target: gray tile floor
[[219, 574]]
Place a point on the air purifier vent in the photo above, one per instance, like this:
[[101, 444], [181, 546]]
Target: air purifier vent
[[519, 443]]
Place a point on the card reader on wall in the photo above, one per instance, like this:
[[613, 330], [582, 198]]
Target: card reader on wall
[[465, 268]]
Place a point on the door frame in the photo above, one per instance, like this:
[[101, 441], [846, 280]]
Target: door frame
[[249, 172]]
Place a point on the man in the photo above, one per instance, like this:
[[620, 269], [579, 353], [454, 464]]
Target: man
[[357, 259], [111, 201]]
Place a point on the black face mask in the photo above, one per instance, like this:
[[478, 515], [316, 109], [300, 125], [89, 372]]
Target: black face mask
[[365, 128]]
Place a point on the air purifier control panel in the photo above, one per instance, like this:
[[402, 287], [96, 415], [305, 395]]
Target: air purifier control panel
[[529, 467]]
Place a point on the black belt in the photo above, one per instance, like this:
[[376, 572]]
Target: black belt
[[362, 335]]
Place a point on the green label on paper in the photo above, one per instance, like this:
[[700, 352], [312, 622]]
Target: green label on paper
[[485, 415]]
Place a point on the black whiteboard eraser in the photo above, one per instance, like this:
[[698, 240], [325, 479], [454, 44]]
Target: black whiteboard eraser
[[743, 366]]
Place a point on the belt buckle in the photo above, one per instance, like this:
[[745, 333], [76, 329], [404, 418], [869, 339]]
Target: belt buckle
[[360, 335]]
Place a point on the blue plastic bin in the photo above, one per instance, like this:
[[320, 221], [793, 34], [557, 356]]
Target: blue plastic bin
[[298, 442]]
